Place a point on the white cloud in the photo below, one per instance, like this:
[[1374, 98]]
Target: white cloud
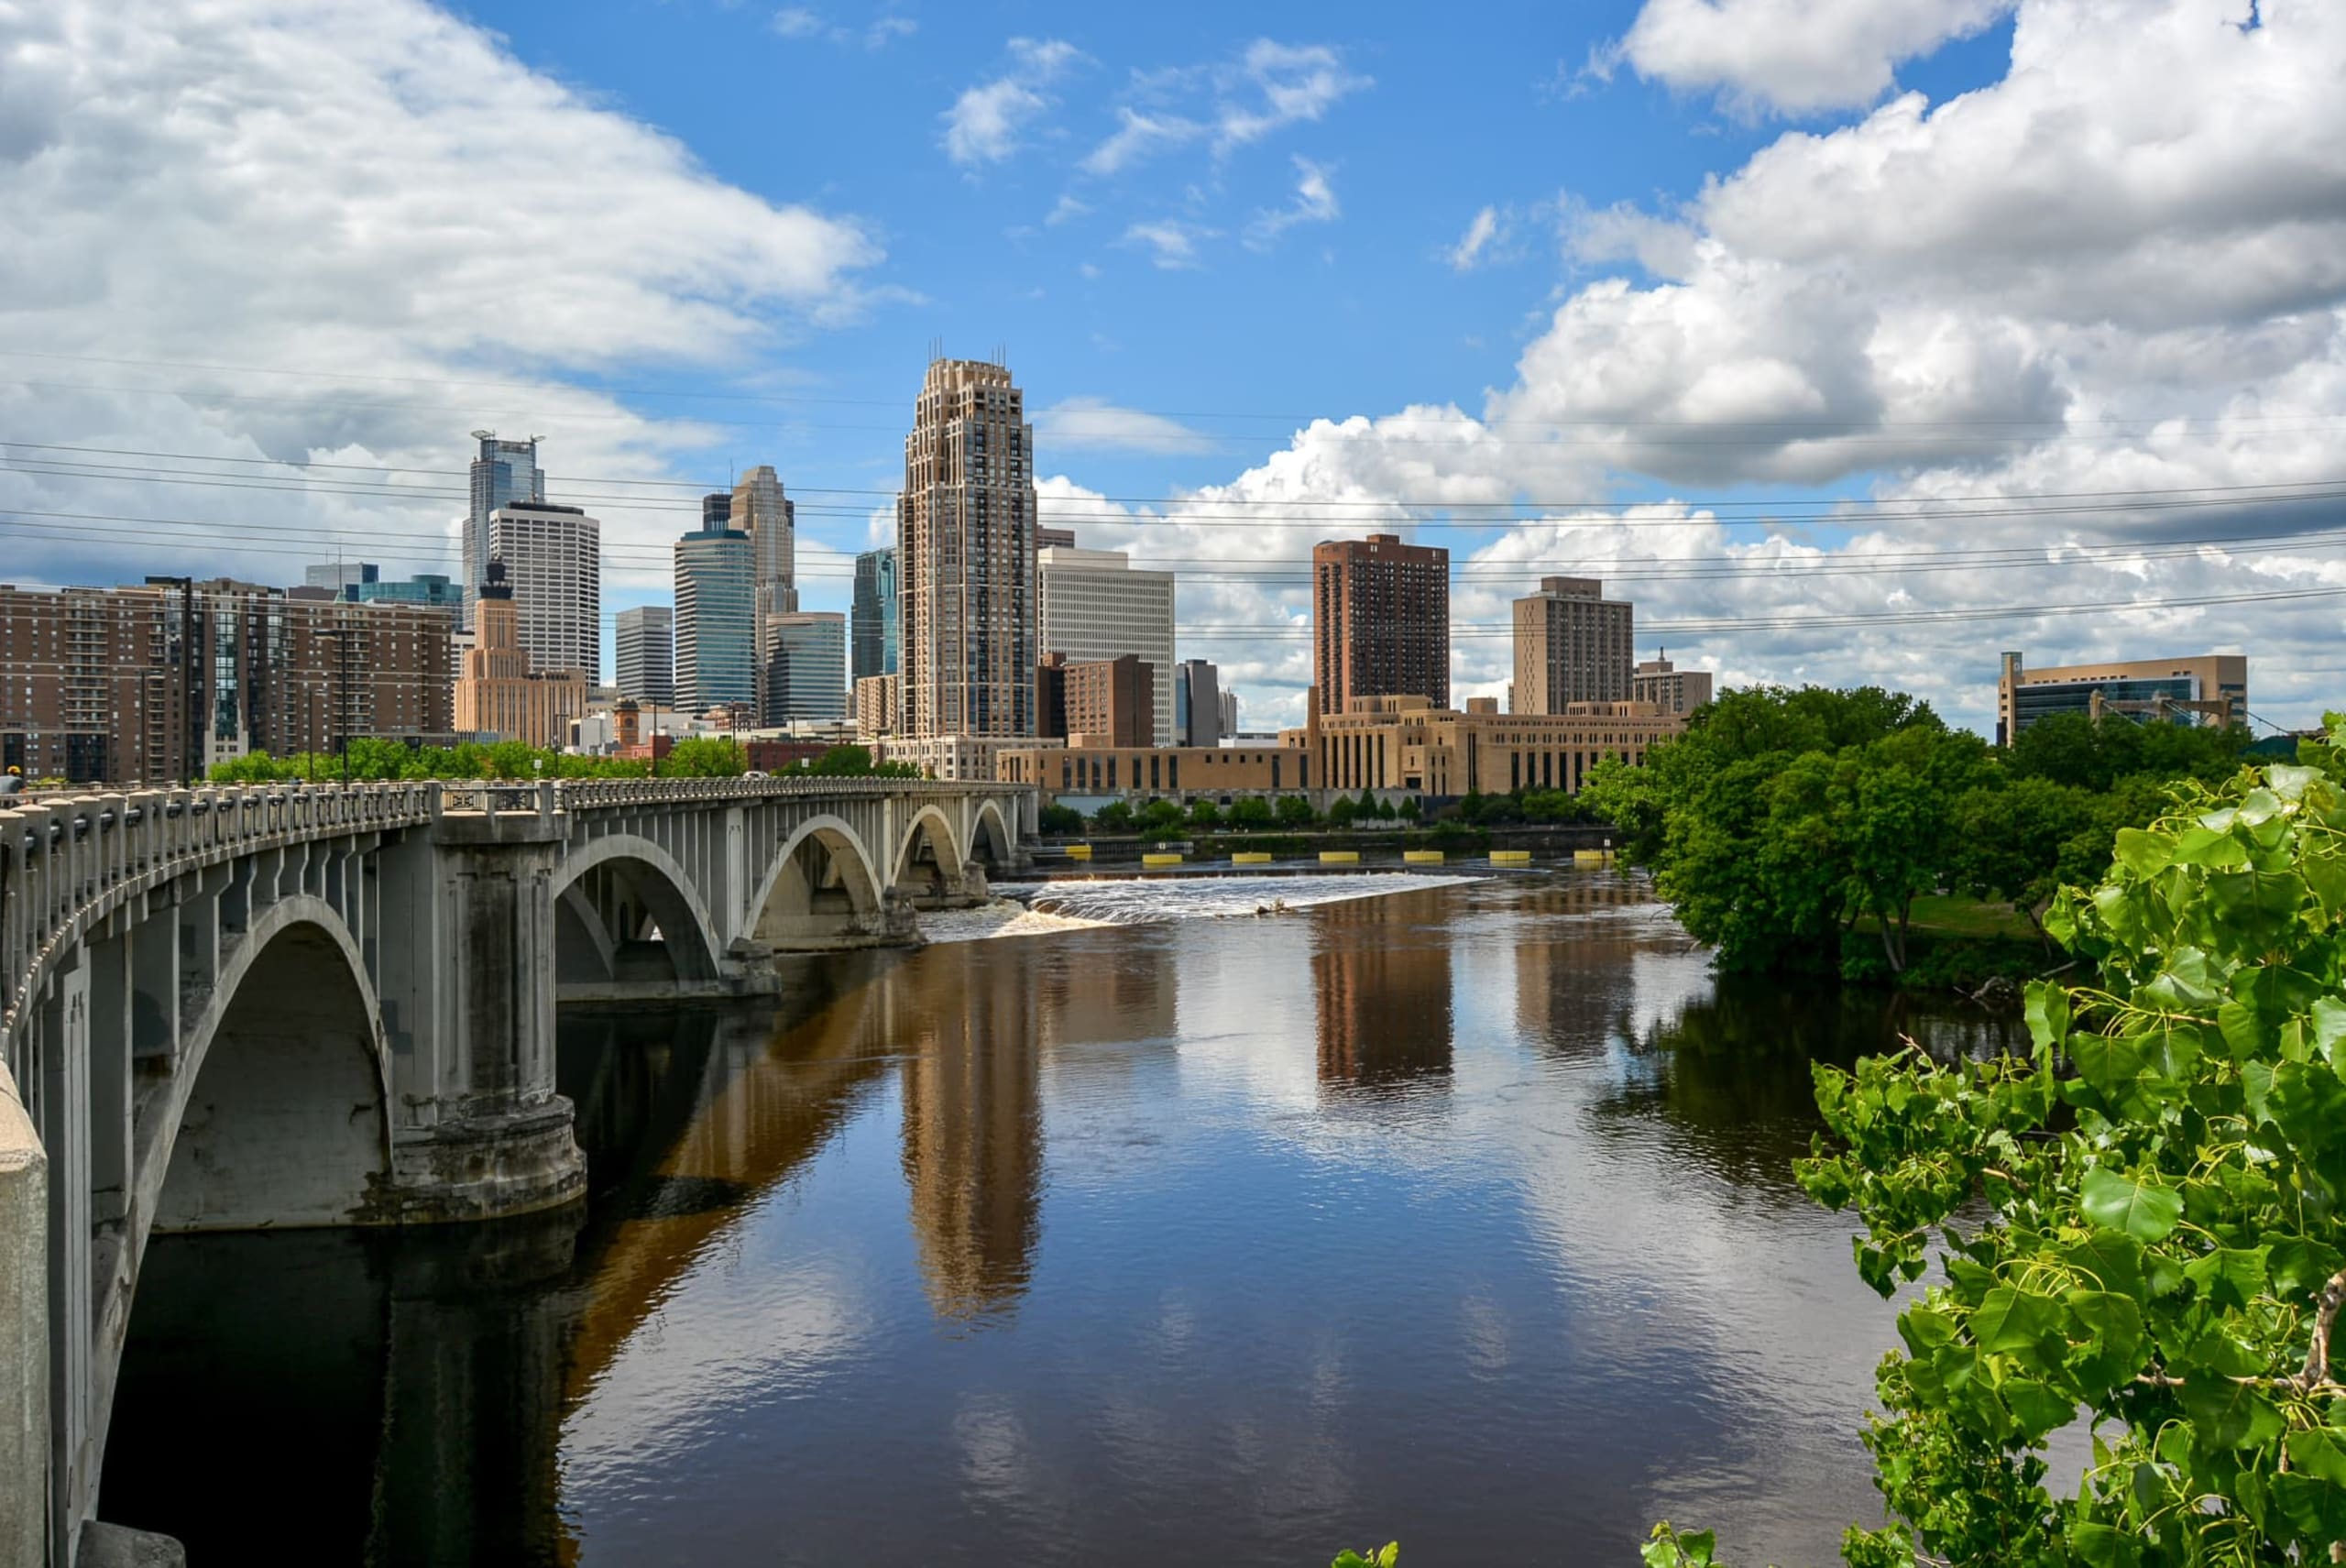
[[1066, 210], [1485, 229], [985, 123], [1173, 244], [2120, 268], [799, 22], [439, 313], [1228, 104], [1314, 202], [1794, 57], [1095, 424], [1138, 136]]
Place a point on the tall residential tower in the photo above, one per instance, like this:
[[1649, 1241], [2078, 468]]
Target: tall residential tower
[[1571, 644], [965, 554], [554, 560], [1380, 620]]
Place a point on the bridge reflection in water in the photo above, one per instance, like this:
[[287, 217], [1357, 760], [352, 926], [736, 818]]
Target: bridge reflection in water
[[398, 1397]]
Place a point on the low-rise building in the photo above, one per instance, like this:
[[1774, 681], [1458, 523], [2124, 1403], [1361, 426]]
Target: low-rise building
[[950, 757], [1405, 743], [1109, 702], [1668, 688], [1178, 773], [2199, 688]]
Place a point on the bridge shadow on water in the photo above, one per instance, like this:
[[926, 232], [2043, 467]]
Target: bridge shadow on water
[[394, 1397]]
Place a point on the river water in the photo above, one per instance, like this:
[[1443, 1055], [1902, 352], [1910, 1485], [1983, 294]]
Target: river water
[[1119, 1223]]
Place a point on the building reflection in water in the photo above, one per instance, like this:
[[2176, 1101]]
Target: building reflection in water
[[1381, 984], [1575, 979], [964, 1015]]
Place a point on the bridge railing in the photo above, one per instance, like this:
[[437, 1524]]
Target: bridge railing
[[62, 861], [601, 793]]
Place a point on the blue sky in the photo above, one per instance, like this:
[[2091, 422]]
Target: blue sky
[[1806, 323]]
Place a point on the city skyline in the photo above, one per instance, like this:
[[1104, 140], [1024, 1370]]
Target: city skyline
[[1611, 307]]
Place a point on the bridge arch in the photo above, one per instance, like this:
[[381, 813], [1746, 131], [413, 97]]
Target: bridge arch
[[990, 836], [608, 889], [823, 886], [277, 1114], [930, 827]]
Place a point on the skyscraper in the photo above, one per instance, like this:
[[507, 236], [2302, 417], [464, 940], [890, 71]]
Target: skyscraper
[[1571, 644], [965, 554], [1196, 704], [1096, 606], [808, 666], [1380, 620], [875, 628], [554, 559], [503, 472], [646, 649], [760, 510], [716, 619]]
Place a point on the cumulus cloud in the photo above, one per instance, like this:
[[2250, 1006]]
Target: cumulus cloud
[[986, 122], [1791, 57], [1999, 323], [415, 309], [1314, 202]]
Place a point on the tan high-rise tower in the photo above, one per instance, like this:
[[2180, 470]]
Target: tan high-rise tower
[[965, 556], [1571, 644]]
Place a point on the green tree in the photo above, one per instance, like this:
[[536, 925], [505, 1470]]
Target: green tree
[[1059, 819], [1252, 811], [855, 763], [2136, 1227], [2009, 841], [1341, 812], [1116, 817], [1160, 813], [1295, 811], [1204, 813], [702, 757]]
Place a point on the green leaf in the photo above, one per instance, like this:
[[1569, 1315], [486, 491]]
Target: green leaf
[[2102, 1547], [2316, 1505], [2299, 1268], [2318, 1451], [2048, 1013], [2112, 1064], [2229, 1277], [2112, 1259], [2308, 1104], [2037, 1406], [2012, 1322], [2329, 1017], [2230, 1414], [2144, 1210], [2144, 854]]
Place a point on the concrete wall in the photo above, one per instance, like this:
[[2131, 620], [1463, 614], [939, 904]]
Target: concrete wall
[[24, 1336]]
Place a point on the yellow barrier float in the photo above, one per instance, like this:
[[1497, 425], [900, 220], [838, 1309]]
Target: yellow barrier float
[[1510, 857], [1079, 852], [1249, 858], [1421, 857], [1340, 857], [1161, 859]]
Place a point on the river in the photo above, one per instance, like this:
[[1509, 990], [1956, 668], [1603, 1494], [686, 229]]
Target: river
[[1123, 1223]]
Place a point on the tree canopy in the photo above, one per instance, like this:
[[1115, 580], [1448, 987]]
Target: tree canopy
[[2137, 1227], [1783, 820]]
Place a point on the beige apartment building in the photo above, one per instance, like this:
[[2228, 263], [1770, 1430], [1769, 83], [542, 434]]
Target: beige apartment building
[[1179, 772], [1668, 688], [877, 701], [1572, 645]]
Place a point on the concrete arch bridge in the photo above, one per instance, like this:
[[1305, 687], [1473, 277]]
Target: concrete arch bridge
[[276, 1006]]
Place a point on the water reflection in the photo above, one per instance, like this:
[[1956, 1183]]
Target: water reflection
[[1380, 980], [973, 1125], [1025, 1250]]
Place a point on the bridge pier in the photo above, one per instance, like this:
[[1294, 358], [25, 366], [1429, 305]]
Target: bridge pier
[[468, 1014]]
